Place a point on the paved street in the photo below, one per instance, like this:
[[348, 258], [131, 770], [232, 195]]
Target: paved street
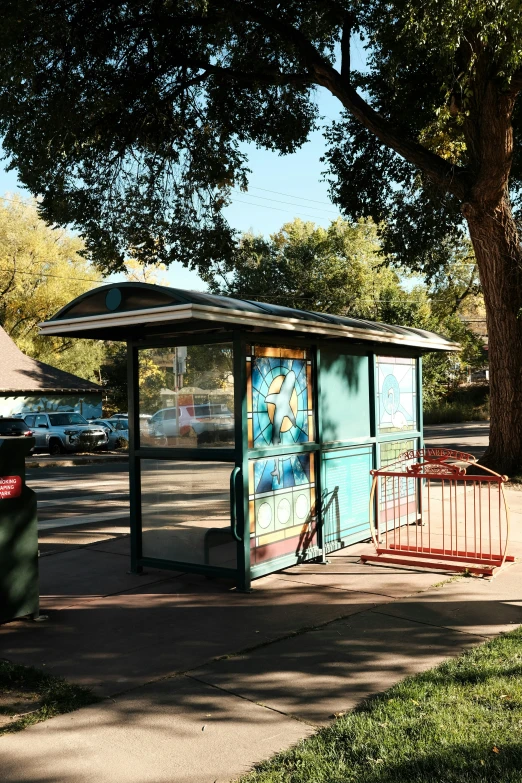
[[80, 505], [67, 495], [469, 436]]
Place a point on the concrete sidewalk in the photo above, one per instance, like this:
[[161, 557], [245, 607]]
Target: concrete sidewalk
[[202, 682]]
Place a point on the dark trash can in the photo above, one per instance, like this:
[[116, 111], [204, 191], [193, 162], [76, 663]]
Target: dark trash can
[[19, 594]]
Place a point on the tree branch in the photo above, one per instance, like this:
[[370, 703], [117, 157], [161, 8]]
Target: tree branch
[[345, 47], [267, 77], [450, 177], [471, 289], [10, 283]]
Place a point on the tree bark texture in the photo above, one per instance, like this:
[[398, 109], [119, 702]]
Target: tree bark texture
[[499, 257]]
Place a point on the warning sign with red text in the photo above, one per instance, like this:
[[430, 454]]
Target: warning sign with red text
[[10, 487]]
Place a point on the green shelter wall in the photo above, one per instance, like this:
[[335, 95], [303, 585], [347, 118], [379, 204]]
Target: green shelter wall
[[344, 400]]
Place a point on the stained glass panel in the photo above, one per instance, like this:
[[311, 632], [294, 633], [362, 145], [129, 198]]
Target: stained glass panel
[[397, 494], [279, 397], [397, 393], [282, 506]]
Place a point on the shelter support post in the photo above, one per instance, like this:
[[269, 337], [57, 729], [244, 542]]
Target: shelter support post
[[134, 463]]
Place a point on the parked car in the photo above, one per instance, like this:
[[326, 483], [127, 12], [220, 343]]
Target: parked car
[[59, 432], [117, 431], [11, 427], [208, 421]]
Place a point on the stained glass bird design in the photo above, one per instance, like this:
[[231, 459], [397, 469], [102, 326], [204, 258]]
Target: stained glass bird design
[[281, 400]]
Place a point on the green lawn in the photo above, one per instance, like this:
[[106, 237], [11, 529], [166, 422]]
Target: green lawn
[[28, 695], [459, 722]]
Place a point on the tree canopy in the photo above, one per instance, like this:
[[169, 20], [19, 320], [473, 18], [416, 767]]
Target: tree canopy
[[128, 119], [340, 269], [41, 270]]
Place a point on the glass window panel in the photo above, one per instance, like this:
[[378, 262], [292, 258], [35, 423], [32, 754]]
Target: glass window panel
[[397, 393], [186, 396], [282, 507], [185, 510], [279, 396], [397, 501]]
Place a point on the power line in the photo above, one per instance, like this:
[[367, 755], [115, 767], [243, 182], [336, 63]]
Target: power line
[[87, 280], [50, 274], [289, 195], [277, 201], [278, 209]]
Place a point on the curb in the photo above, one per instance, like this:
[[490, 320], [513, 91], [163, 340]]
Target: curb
[[68, 462]]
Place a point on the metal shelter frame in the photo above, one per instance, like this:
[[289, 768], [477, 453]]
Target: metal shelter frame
[[152, 317]]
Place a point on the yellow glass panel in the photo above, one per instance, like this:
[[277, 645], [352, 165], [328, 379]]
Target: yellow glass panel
[[297, 530], [282, 353], [270, 538], [252, 516], [249, 386]]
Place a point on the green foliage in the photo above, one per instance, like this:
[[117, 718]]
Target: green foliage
[[41, 270], [113, 373], [467, 403], [128, 119], [336, 269], [340, 270], [457, 723], [107, 114], [429, 67]]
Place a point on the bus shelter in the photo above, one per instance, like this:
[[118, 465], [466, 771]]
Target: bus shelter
[[253, 427]]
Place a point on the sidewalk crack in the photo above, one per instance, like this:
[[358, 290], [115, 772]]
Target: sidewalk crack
[[315, 726]]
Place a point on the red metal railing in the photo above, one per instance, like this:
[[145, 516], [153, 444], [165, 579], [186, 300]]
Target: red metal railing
[[427, 509]]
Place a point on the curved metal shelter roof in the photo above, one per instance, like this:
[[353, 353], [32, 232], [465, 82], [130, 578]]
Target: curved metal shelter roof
[[121, 311]]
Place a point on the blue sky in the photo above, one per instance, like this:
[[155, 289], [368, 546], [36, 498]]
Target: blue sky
[[281, 187]]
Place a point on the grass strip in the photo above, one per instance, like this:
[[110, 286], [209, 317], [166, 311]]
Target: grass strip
[[29, 695], [460, 722]]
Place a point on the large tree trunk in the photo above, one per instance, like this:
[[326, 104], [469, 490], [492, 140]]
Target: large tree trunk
[[499, 257]]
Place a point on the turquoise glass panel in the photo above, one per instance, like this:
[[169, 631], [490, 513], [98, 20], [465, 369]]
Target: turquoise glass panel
[[345, 396], [396, 492], [346, 496]]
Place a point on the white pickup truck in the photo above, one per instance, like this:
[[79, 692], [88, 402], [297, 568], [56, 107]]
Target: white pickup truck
[[60, 432]]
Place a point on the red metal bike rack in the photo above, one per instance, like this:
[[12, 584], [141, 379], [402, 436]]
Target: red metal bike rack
[[427, 510]]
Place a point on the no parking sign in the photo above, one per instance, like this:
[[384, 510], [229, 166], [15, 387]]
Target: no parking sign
[[10, 487]]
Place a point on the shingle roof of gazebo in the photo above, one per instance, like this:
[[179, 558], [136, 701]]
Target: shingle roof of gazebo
[[19, 373]]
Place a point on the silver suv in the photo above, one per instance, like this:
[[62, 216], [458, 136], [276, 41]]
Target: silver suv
[[59, 432]]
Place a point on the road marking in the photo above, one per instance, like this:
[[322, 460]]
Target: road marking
[[49, 502], [56, 485], [81, 520]]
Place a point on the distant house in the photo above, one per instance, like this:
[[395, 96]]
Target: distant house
[[28, 385]]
